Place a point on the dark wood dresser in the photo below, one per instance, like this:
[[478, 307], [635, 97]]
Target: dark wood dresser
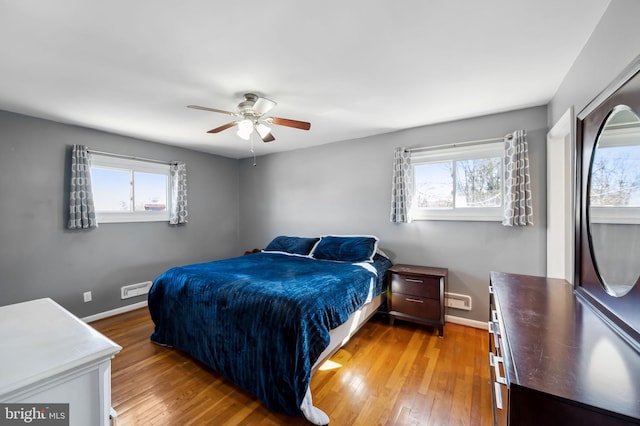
[[416, 293], [554, 360]]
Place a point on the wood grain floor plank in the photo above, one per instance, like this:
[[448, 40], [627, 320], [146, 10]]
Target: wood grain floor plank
[[401, 375]]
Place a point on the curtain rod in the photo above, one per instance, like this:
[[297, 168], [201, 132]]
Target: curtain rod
[[453, 145], [130, 157]]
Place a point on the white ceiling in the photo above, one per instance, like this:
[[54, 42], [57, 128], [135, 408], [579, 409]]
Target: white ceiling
[[351, 68]]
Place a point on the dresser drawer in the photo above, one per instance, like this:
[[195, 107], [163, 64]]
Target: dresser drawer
[[416, 306], [499, 391], [428, 287], [499, 386]]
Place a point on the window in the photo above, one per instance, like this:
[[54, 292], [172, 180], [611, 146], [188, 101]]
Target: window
[[128, 190], [459, 183], [614, 186]]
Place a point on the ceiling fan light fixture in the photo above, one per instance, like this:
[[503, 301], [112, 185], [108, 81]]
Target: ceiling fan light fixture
[[245, 128], [250, 117]]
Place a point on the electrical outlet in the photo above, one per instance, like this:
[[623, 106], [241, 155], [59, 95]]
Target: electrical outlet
[[87, 296]]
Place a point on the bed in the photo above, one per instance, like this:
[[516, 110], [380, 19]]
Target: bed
[[266, 321]]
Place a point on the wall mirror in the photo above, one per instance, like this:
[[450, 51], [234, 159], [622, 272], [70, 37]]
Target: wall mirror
[[608, 202], [614, 201]]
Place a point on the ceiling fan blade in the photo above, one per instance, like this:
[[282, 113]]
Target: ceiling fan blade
[[211, 109], [268, 138], [223, 127], [302, 125], [263, 105]]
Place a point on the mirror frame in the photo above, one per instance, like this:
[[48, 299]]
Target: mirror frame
[[622, 312]]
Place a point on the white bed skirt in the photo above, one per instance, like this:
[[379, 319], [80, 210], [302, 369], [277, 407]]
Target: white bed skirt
[[339, 336]]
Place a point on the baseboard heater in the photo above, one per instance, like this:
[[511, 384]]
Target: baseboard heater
[[134, 290], [457, 301]]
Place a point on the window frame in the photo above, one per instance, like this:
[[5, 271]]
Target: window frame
[[133, 165], [453, 154], [617, 214], [614, 215]]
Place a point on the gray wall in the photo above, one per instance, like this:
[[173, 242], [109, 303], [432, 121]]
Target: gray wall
[[612, 46], [336, 188], [40, 258], [345, 188]]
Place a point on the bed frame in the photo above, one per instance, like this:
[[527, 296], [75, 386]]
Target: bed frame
[[341, 334]]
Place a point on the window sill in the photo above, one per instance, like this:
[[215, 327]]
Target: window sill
[[460, 219], [467, 215], [615, 215], [131, 218]]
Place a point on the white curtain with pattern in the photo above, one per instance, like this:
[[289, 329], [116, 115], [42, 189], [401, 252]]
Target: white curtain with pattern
[[518, 210], [401, 186], [82, 213], [178, 214]]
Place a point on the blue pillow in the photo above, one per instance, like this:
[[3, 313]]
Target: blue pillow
[[292, 245], [346, 248]]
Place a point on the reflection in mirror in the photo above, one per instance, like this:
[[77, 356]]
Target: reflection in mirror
[[614, 201], [603, 355]]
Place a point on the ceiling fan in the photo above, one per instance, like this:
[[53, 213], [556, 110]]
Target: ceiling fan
[[250, 117]]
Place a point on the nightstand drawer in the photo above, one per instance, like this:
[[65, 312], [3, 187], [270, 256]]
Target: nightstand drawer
[[416, 306], [416, 293], [417, 286]]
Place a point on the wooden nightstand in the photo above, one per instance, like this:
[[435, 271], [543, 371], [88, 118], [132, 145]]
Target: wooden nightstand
[[416, 293]]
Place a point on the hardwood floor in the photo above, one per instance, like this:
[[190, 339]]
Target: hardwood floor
[[400, 375]]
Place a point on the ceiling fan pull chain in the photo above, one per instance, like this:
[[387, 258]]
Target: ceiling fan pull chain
[[252, 151]]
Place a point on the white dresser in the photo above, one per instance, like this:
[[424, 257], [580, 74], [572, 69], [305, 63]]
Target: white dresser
[[48, 355]]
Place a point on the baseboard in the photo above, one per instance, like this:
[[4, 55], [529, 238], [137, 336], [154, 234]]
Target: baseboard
[[116, 311], [449, 318], [467, 322]]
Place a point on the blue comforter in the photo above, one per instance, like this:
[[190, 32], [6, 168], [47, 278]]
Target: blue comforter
[[263, 319]]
